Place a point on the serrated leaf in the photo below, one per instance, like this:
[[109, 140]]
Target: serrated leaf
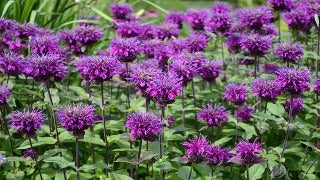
[[60, 161], [256, 171], [184, 172], [276, 109], [248, 128]]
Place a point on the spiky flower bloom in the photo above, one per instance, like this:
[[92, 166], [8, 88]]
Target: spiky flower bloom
[[120, 10], [289, 52], [162, 55], [293, 80], [197, 41], [27, 121], [184, 68], [171, 121], [247, 153], [210, 70], [219, 23], [30, 153], [196, 18], [129, 29], [221, 7], [175, 17], [126, 49], [299, 18], [270, 68], [214, 116], [244, 113], [77, 118], [316, 86], [281, 5], [255, 18], [98, 68], [196, 149], [233, 43], [297, 105], [148, 31], [144, 126], [5, 94], [217, 155], [176, 46], [164, 88], [166, 31], [236, 93], [45, 68], [11, 64], [149, 46], [28, 29], [266, 30], [266, 89], [46, 44], [255, 44], [3, 159]]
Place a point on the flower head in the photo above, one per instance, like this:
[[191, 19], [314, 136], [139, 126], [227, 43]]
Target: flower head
[[27, 121], [98, 68], [217, 155], [297, 105], [120, 10], [30, 153], [255, 18], [177, 46], [126, 49], [149, 46], [270, 68], [247, 153], [175, 17], [299, 18], [144, 125], [129, 29], [77, 118], [148, 31], [219, 23], [236, 93], [292, 80], [5, 94], [281, 5], [166, 31], [316, 86], [197, 41], [196, 18], [243, 113], [196, 149], [171, 121], [46, 44], [266, 89], [11, 64], [3, 159], [45, 68], [210, 70], [233, 43], [164, 87], [214, 116], [255, 44], [221, 7], [289, 52]]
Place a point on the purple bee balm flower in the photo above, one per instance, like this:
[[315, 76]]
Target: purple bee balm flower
[[3, 159], [219, 23], [46, 44], [233, 43], [270, 68], [266, 30], [197, 41], [176, 17], [247, 153], [243, 113], [245, 61], [217, 155], [9, 25], [148, 47], [171, 121], [292, 80], [255, 18], [281, 5], [316, 86], [11, 64], [196, 18], [164, 88], [176, 46], [144, 126], [167, 31], [5, 94], [210, 70], [148, 31], [297, 105], [126, 49], [162, 54], [77, 118], [30, 153], [129, 29], [289, 52], [196, 149], [236, 93], [45, 68], [120, 10], [214, 116], [255, 44], [266, 89], [299, 18], [221, 7], [28, 29], [98, 68], [27, 121]]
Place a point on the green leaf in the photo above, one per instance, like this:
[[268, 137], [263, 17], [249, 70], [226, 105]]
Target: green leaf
[[60, 161], [248, 128], [80, 92], [256, 171], [116, 176], [156, 6], [41, 141], [105, 16], [276, 109], [184, 172], [6, 7], [93, 140], [20, 159], [222, 141]]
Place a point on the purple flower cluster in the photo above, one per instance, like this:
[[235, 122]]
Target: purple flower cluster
[[5, 94], [292, 80], [196, 18], [219, 23], [255, 18], [297, 105], [177, 46], [316, 86], [247, 153], [129, 29], [196, 149], [299, 18], [197, 41], [221, 7], [45, 68], [120, 10], [27, 121], [210, 70], [281, 5], [30, 153], [214, 116], [266, 89], [289, 52], [166, 31], [270, 68], [236, 93], [217, 155], [46, 44], [98, 68], [126, 49], [148, 31], [244, 113], [148, 47], [255, 44], [77, 118], [164, 87], [11, 64], [233, 43], [144, 126], [175, 17]]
